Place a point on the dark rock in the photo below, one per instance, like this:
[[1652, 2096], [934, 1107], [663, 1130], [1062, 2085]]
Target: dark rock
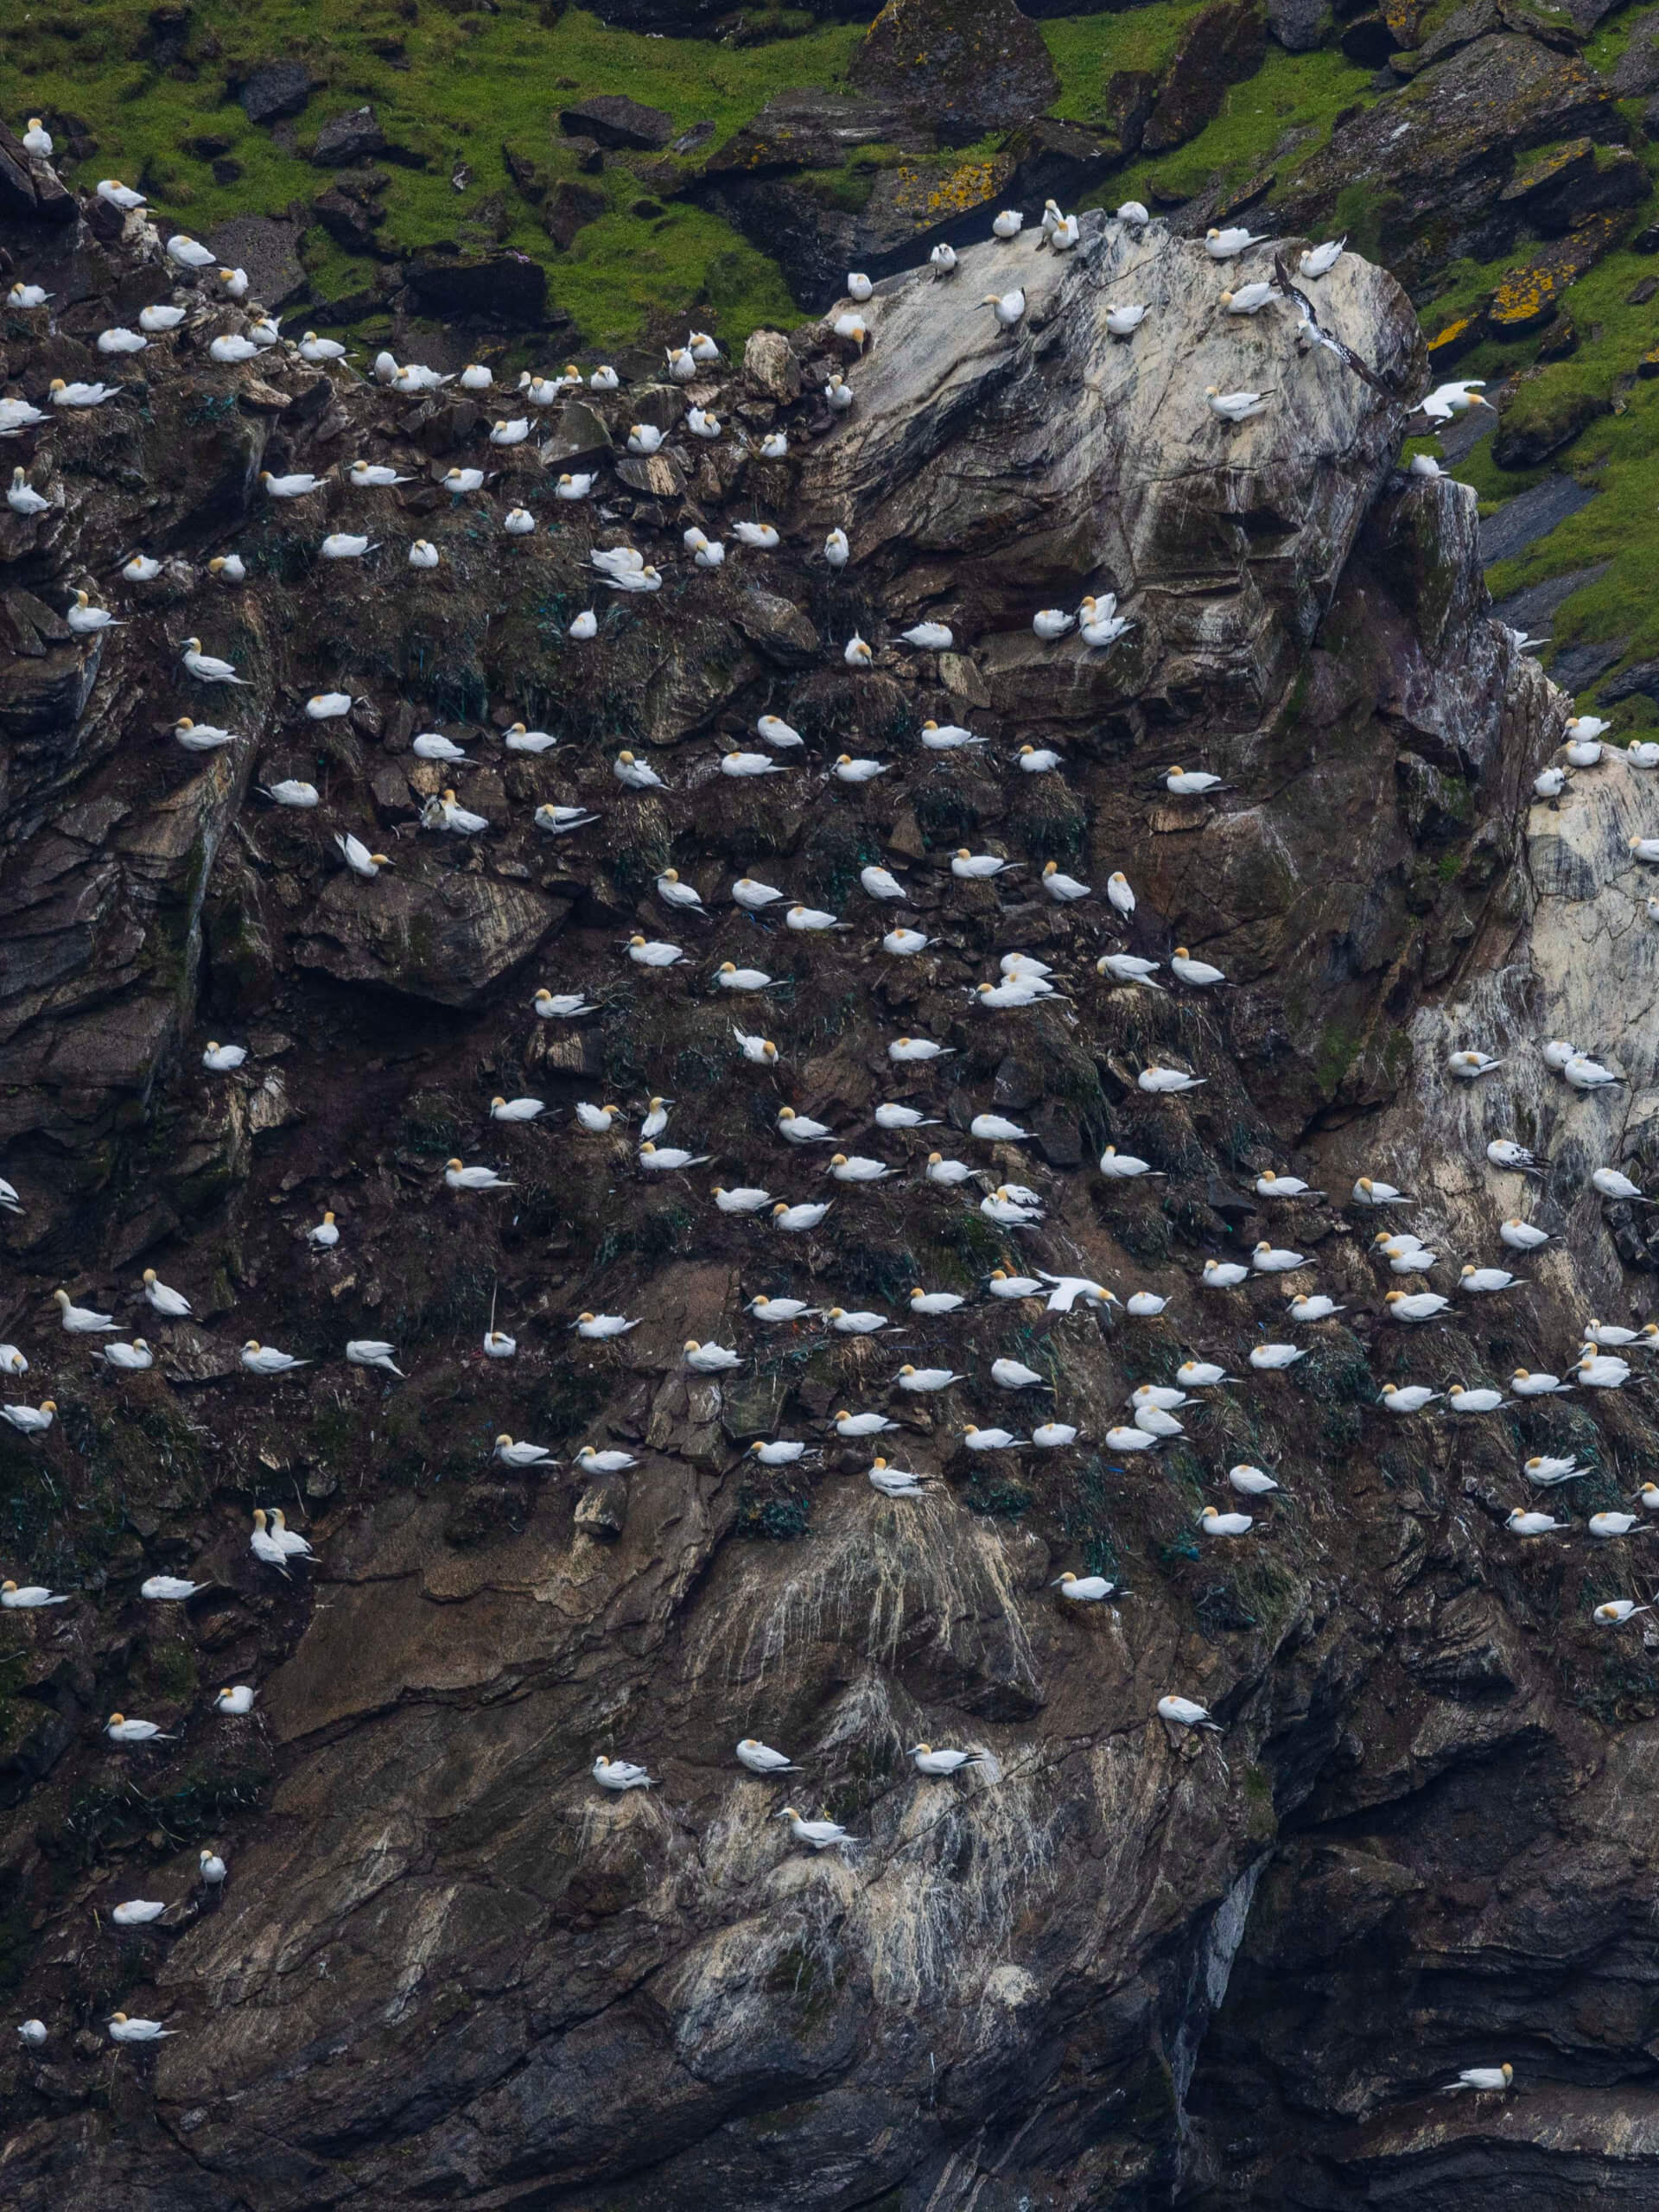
[[1436, 154], [1616, 179], [590, 156], [439, 941], [1299, 25], [1367, 40], [779, 631], [966, 66], [354, 136], [273, 89], [690, 141], [1220, 47], [576, 434], [1062, 161], [613, 119], [771, 366], [1510, 528], [602, 1509], [528, 175], [349, 221], [167, 34], [811, 130], [31, 191], [647, 210], [226, 170], [1640, 678], [568, 207], [1635, 74], [505, 287], [1527, 296]]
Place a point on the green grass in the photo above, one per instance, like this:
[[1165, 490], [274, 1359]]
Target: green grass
[[1293, 96], [1088, 50], [463, 86]]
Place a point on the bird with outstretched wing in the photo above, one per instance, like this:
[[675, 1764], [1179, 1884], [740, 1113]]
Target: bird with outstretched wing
[[1312, 333]]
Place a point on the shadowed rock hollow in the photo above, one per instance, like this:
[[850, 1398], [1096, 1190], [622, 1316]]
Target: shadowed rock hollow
[[1125, 1971]]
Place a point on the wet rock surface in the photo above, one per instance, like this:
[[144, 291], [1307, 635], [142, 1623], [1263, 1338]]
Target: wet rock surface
[[445, 1968]]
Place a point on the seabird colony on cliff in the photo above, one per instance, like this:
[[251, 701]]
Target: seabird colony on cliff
[[987, 1179]]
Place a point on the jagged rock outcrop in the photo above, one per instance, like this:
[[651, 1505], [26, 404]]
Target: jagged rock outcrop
[[1126, 1970]]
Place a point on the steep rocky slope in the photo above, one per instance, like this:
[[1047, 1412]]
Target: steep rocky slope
[[1125, 1969]]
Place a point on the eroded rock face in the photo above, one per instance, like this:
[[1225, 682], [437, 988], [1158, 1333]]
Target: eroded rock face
[[446, 1966]]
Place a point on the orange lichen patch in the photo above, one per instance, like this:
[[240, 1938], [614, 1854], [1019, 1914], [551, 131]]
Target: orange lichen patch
[[1529, 294], [1455, 337], [1544, 166], [928, 196]]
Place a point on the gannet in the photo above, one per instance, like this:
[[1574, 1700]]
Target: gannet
[[19, 414], [27, 296], [325, 1236], [1183, 1712], [119, 340], [1522, 1523], [851, 1425], [1271, 1359], [801, 1128], [1015, 1375], [33, 2033], [1225, 1274], [521, 1455], [327, 706], [1235, 406], [922, 1381], [189, 252], [759, 1051], [856, 653], [1613, 1183], [518, 738], [1597, 1372], [798, 1217], [22, 498], [111, 189], [701, 424], [837, 393], [600, 1328], [905, 944], [124, 2030], [1609, 1335], [120, 1730], [509, 1109], [129, 1359], [837, 549], [942, 261], [1153, 1421], [1050, 622], [655, 1119], [237, 1698], [1449, 399], [461, 1177], [1474, 1401], [1368, 1191], [857, 1323], [32, 1598], [894, 1482], [372, 1352], [944, 1763], [1128, 967], [751, 764], [264, 1544], [318, 350], [366, 474], [708, 1359], [12, 1361], [1481, 2078], [948, 737], [232, 347], [979, 868], [890, 1115], [946, 1172], [1224, 245], [648, 952], [1644, 753], [561, 1005], [1009, 306], [1415, 1305], [855, 1168], [81, 1320], [1586, 726], [760, 1758], [265, 1359], [414, 377], [1054, 1435], [1085, 1589], [1470, 1066], [293, 791], [345, 545], [12, 1204], [1486, 1279], [999, 1283], [518, 522], [1125, 318], [205, 667], [637, 775], [730, 977], [996, 1128], [357, 857], [1305, 1309], [1160, 1080], [571, 487], [1407, 1398], [1217, 1523], [620, 1774], [1249, 299], [817, 1835], [228, 569], [85, 620], [1526, 1384], [171, 1303], [780, 1312], [774, 731], [1617, 1612], [929, 637], [1550, 783], [422, 554], [1585, 1074], [1545, 1471], [774, 445]]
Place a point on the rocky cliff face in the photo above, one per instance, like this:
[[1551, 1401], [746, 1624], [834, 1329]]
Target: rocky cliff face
[[1123, 1970]]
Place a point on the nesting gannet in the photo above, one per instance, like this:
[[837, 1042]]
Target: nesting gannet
[[422, 554], [857, 1323], [944, 1763], [1249, 299], [372, 1352], [1522, 1523], [518, 738], [458, 1177], [135, 1358], [318, 350], [600, 1328], [19, 414], [637, 775], [81, 1320], [1617, 1612], [1015, 1375], [265, 1545], [1050, 622], [518, 522], [999, 1283], [1414, 1305], [1485, 1281], [817, 1835], [561, 1005], [1493, 2079], [1368, 1191], [708, 1359], [120, 1730], [265, 1359], [33, 2033], [1611, 1335], [924, 1381], [1407, 1398], [780, 1312], [947, 1173], [1644, 753], [729, 976], [1054, 1435], [1583, 1073], [895, 1482], [855, 1167], [116, 341], [1183, 1713], [978, 867], [996, 1128], [620, 1774], [12, 1361], [1545, 1471], [797, 1218], [121, 2029], [1526, 1383], [851, 1425], [293, 791], [235, 1700], [206, 667], [1470, 1066], [1611, 1183], [189, 252], [1599, 1371], [171, 1303], [653, 952], [1235, 406], [85, 620], [1008, 307], [837, 393], [1480, 1401], [327, 706], [801, 1128], [357, 857], [22, 498], [32, 1598], [325, 1236], [751, 764], [1550, 783]]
